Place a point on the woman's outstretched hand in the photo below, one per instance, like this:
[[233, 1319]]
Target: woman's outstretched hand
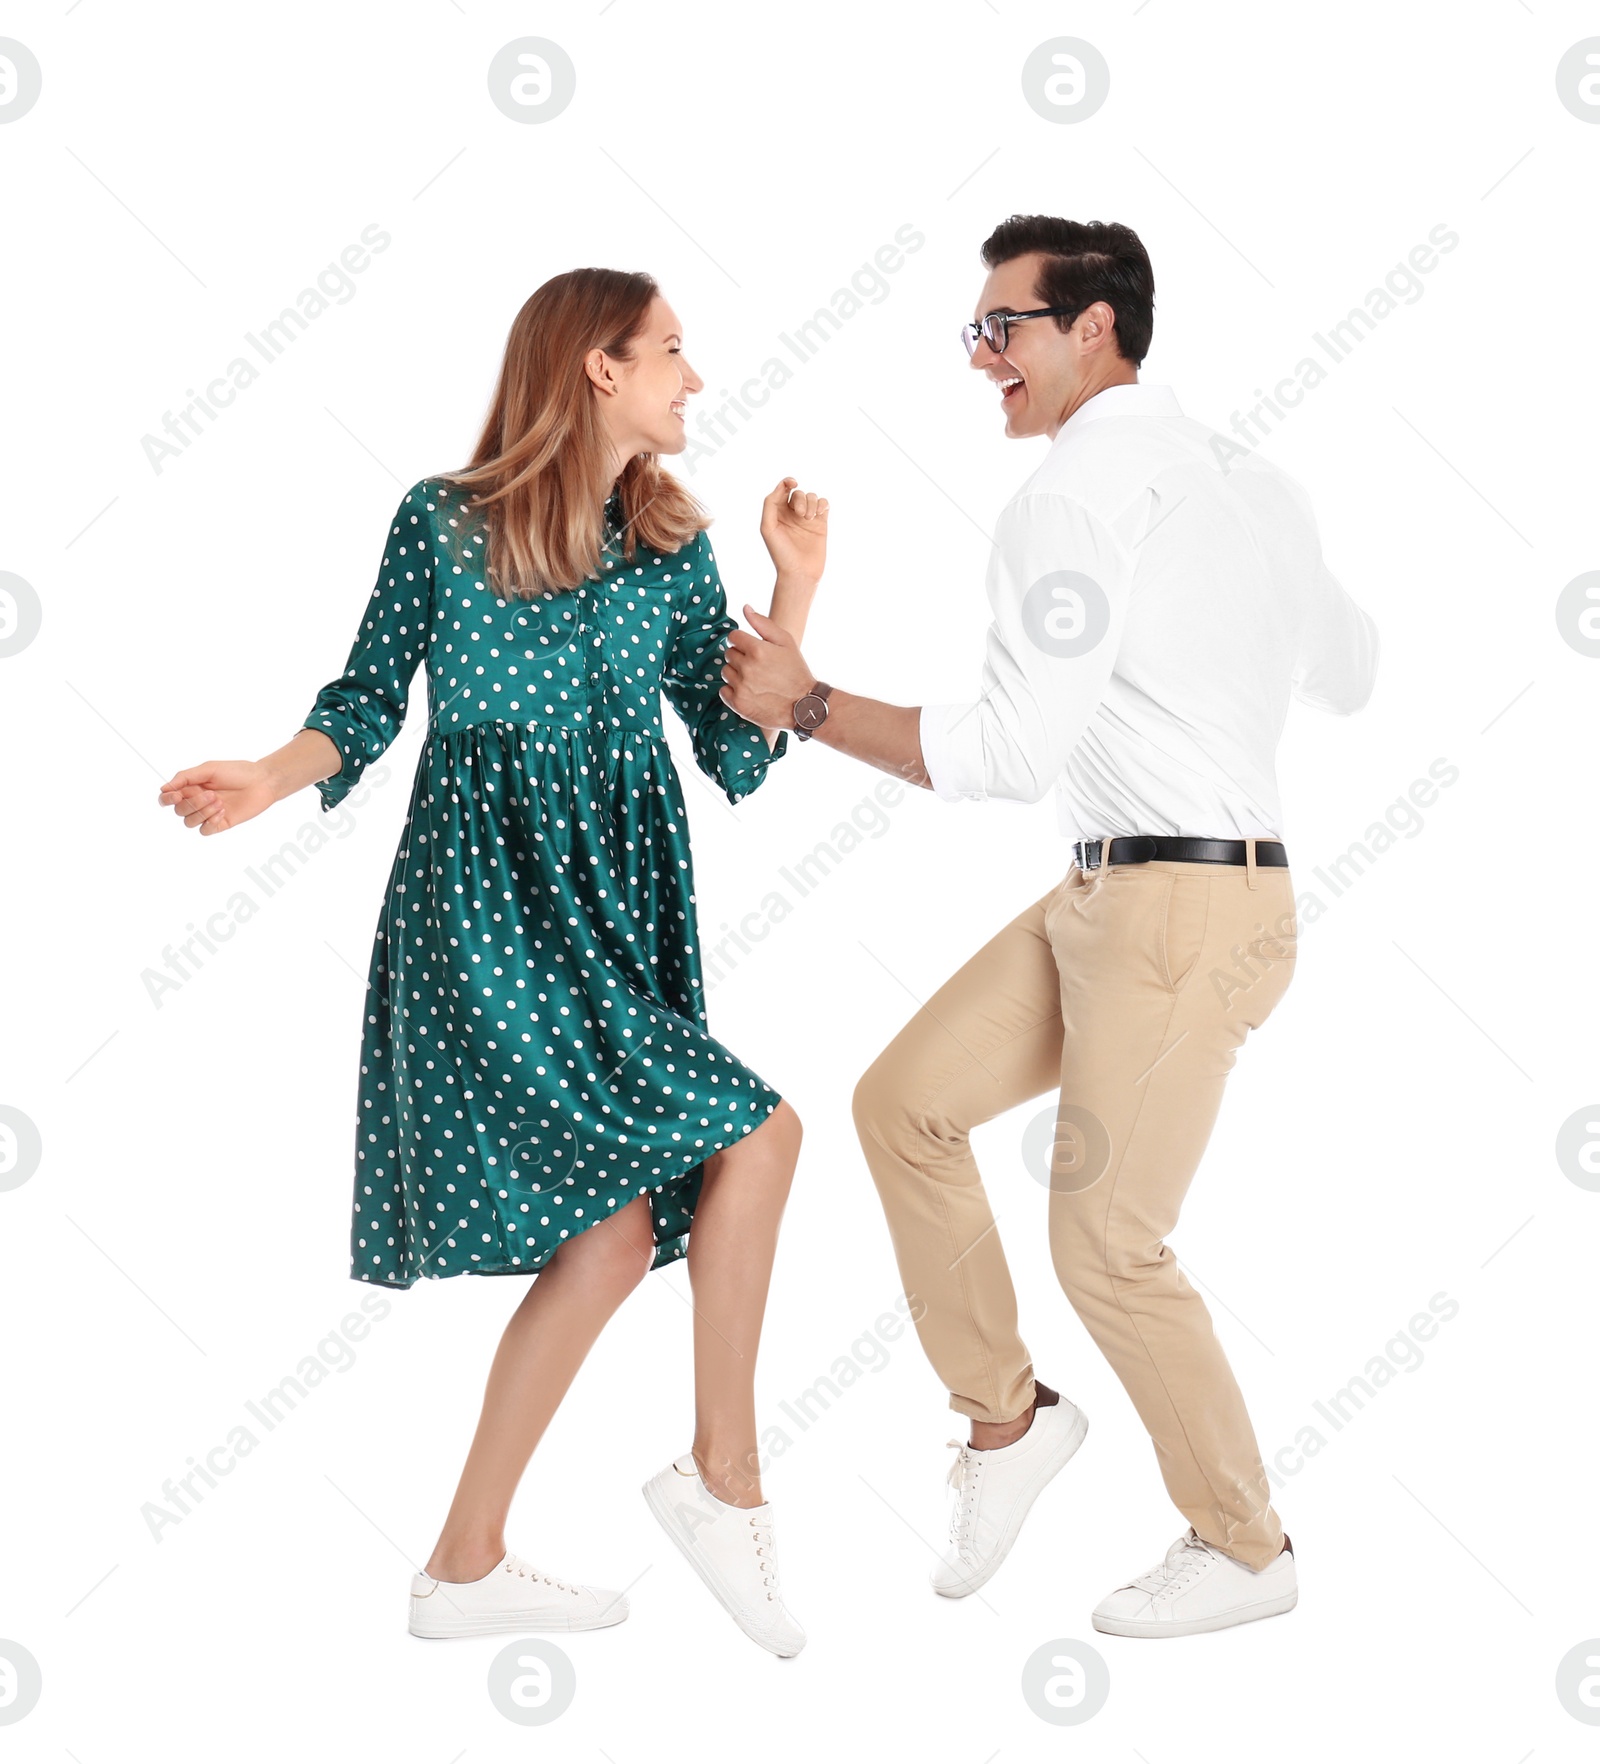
[[226, 793], [794, 525], [220, 793]]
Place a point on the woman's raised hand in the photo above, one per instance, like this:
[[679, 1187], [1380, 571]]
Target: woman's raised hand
[[220, 793], [794, 525]]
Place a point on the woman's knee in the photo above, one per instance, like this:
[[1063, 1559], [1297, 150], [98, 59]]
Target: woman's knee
[[615, 1253], [786, 1122]]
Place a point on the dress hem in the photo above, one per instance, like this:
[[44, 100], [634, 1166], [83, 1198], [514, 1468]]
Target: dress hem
[[678, 1241]]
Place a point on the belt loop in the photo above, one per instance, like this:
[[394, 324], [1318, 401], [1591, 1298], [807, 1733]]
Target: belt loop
[[1250, 862]]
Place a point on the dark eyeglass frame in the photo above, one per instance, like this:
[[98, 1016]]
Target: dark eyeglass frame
[[992, 328]]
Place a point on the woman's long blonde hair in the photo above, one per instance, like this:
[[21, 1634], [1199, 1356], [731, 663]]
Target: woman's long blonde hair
[[540, 474]]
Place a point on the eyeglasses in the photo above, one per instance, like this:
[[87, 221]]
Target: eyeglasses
[[992, 329]]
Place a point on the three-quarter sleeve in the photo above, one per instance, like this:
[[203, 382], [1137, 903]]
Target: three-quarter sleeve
[[727, 748], [362, 711]]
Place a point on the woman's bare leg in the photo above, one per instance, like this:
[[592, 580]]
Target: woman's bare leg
[[546, 1341], [731, 1247]]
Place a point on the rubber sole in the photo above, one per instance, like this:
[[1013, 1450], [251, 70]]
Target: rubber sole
[[1065, 1453], [668, 1521], [510, 1623], [1197, 1625]]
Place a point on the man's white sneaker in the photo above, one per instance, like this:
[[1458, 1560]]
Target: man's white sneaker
[[512, 1597], [732, 1549], [995, 1489], [1195, 1589]]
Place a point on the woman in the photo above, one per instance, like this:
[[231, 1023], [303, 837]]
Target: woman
[[538, 1092]]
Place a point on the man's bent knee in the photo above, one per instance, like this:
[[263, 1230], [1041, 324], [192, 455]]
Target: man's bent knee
[[1092, 1259], [884, 1106]]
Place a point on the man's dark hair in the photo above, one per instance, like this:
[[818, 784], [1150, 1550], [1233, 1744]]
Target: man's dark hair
[[1085, 261]]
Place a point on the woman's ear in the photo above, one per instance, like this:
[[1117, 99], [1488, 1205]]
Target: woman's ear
[[598, 368]]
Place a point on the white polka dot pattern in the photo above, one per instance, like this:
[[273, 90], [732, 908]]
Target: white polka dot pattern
[[534, 1053]]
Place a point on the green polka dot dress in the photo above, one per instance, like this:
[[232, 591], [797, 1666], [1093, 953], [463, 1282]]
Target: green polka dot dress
[[535, 1053]]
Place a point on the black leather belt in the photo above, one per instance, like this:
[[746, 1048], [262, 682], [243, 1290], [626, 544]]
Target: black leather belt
[[1143, 849]]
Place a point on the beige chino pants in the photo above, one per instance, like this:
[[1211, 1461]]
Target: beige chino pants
[[1130, 989]]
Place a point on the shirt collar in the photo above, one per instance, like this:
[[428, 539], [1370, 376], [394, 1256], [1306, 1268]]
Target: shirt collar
[[1135, 398]]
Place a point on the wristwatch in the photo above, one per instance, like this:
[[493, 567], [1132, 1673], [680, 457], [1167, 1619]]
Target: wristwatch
[[811, 711]]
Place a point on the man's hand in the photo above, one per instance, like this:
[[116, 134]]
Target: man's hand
[[764, 675]]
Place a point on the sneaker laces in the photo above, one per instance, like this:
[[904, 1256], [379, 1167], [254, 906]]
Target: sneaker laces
[[1183, 1563], [515, 1565], [965, 1470], [766, 1543]]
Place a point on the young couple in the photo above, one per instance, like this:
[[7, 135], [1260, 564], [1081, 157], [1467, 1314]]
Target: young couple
[[539, 1094]]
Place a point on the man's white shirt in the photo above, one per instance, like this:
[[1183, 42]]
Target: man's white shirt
[[1158, 597]]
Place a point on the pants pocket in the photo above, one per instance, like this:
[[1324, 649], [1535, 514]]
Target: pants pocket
[[1051, 903], [1267, 958], [1183, 928]]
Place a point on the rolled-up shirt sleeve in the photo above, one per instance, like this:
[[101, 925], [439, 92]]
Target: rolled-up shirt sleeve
[[1058, 588]]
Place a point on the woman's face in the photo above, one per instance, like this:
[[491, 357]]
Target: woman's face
[[642, 401]]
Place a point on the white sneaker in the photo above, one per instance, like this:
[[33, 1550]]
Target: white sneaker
[[511, 1598], [1197, 1589], [995, 1489], [732, 1549]]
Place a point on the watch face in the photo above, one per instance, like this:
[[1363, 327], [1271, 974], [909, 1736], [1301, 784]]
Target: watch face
[[809, 711]]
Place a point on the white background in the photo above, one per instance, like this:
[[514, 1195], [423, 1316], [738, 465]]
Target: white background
[[1390, 1136]]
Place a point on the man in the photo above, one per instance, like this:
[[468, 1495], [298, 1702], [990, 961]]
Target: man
[[1158, 597]]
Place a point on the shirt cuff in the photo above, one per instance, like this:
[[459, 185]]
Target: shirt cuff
[[952, 751]]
